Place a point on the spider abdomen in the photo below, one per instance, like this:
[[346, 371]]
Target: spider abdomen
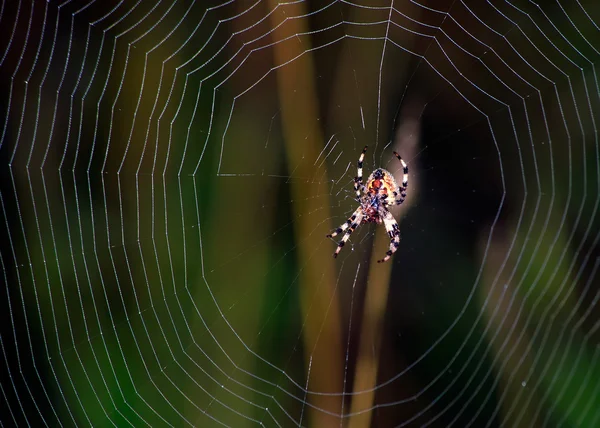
[[381, 183]]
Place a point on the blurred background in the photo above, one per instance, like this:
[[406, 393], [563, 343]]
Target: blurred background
[[170, 171]]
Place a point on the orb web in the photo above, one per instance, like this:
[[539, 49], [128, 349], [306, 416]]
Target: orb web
[[170, 170]]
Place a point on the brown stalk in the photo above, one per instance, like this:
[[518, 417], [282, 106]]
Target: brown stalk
[[367, 364], [304, 141]]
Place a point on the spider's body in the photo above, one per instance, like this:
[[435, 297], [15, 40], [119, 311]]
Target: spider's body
[[380, 192]]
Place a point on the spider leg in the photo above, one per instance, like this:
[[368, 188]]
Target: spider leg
[[393, 231], [350, 226], [345, 225], [358, 183], [402, 189]]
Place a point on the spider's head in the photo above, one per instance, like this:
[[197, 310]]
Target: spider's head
[[371, 205], [371, 214], [378, 174]]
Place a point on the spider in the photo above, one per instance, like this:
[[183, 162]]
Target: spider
[[380, 192]]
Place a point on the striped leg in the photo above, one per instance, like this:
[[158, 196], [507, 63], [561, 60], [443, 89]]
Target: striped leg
[[350, 226], [393, 231], [345, 225], [358, 183], [402, 188]]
